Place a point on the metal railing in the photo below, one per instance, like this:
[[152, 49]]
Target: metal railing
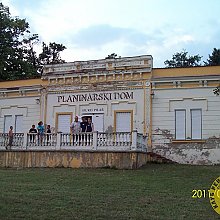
[[115, 141]]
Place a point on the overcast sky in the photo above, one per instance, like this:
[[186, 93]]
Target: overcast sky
[[92, 29]]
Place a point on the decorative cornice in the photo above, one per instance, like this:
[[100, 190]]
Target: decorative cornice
[[99, 67], [20, 91], [97, 79]]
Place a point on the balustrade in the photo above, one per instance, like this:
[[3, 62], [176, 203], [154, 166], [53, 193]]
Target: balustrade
[[83, 141]]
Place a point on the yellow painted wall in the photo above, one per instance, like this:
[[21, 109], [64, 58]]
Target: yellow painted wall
[[156, 73], [190, 71], [73, 159], [19, 83]]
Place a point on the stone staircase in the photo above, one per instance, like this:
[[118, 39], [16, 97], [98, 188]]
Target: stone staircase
[[156, 158]]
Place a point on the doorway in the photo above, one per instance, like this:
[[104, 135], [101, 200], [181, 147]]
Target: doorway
[[97, 120]]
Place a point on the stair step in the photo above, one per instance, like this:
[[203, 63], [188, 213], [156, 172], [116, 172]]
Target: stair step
[[158, 158]]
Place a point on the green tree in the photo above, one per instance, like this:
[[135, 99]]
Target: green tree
[[214, 58], [18, 58], [181, 59], [28, 48], [112, 56], [216, 91], [14, 32], [51, 53]]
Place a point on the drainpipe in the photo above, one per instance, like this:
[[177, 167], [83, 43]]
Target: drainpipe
[[151, 94]]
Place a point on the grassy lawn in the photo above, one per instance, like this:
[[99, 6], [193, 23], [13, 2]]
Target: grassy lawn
[[153, 192]]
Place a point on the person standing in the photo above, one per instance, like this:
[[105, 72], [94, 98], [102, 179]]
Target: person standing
[[48, 134], [83, 126], [89, 128], [40, 129], [75, 129], [33, 132], [10, 136]]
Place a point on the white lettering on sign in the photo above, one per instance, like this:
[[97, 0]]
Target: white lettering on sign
[[93, 110], [88, 97]]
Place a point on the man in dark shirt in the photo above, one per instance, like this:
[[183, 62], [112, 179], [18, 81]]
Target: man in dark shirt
[[48, 131], [33, 132], [83, 126]]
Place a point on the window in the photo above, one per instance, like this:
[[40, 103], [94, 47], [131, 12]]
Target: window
[[188, 123], [180, 124], [18, 124], [123, 121], [196, 123], [63, 122], [7, 123], [13, 120], [98, 122]]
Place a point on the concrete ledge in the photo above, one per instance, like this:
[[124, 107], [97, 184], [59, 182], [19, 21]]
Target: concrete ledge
[[73, 159], [188, 141]]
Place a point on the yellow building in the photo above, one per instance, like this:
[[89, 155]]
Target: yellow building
[[185, 114], [133, 107]]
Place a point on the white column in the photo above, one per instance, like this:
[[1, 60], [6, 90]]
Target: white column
[[95, 140], [58, 141], [25, 144], [134, 140]]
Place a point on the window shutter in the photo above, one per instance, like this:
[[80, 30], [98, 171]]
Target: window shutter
[[180, 127], [64, 122], [196, 120], [7, 123], [123, 122], [98, 122], [19, 124]]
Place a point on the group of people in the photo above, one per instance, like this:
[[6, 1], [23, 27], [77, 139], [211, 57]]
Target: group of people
[[85, 126], [76, 127], [33, 133], [40, 131]]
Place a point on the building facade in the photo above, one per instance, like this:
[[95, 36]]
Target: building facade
[[186, 114], [175, 110]]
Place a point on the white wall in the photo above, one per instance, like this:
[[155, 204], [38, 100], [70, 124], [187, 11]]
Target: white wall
[[25, 106], [167, 100], [163, 115], [107, 107]]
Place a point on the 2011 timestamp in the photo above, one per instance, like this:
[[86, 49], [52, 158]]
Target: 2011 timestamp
[[204, 193]]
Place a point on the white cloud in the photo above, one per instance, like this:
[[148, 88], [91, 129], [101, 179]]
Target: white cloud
[[177, 39], [94, 29], [12, 9]]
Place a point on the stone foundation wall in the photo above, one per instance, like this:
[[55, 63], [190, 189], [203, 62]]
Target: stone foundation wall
[[79, 159], [205, 152]]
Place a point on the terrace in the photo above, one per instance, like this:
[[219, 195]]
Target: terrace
[[94, 141]]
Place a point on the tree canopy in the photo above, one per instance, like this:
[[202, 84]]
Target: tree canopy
[[216, 91], [112, 56], [18, 58], [214, 58], [181, 59], [51, 53]]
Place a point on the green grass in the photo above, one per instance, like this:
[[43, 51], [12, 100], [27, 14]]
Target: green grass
[[153, 192]]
